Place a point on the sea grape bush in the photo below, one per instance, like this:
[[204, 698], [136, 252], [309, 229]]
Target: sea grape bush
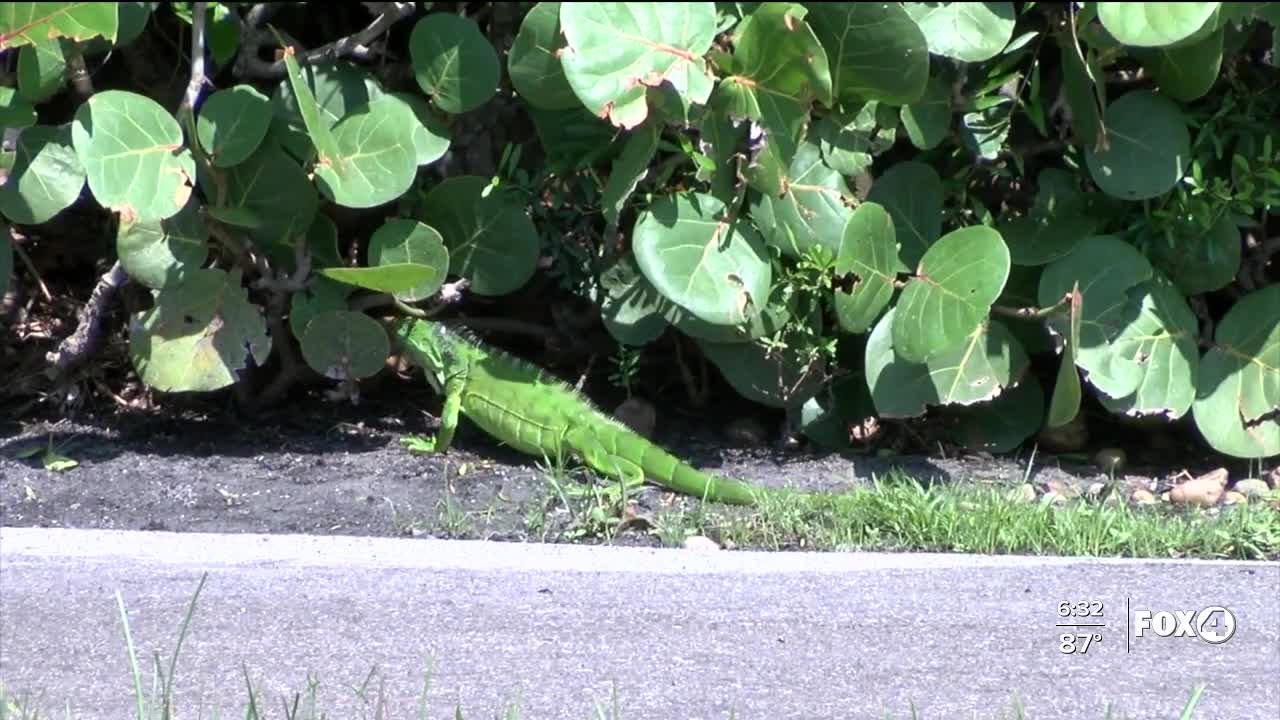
[[855, 210]]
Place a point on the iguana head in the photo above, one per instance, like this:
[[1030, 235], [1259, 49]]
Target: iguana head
[[427, 344]]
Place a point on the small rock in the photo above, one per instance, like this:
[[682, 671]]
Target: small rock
[[1252, 488], [1026, 492], [1053, 497], [1142, 496], [1095, 489], [637, 414], [701, 543], [746, 432], [1234, 498], [1204, 491]]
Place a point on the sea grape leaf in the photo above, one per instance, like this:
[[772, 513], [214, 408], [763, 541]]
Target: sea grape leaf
[[318, 297], [15, 110], [614, 51], [689, 250], [719, 140], [42, 70], [1185, 72], [773, 377], [134, 153], [979, 368], [403, 240], [912, 193], [875, 50], [850, 145], [1238, 386], [1150, 147], [928, 120], [453, 62], [1199, 260], [342, 345], [273, 189], [630, 167], [392, 278], [199, 334], [337, 88], [1067, 393], [232, 124], [631, 310], [1005, 423], [1104, 267], [430, 137], [163, 253], [533, 64], [1059, 219], [28, 23], [1161, 341], [868, 260], [492, 242], [984, 132], [812, 211], [46, 178], [966, 31], [951, 292], [1154, 24]]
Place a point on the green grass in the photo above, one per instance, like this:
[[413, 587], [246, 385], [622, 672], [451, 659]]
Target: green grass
[[157, 702]]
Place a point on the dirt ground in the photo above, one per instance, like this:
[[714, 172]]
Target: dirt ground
[[329, 468]]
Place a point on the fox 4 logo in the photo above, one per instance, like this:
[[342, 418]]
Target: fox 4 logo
[[1214, 624]]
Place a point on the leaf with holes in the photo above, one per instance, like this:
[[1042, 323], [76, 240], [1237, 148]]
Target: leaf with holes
[[977, 369], [133, 151], [534, 65], [28, 23], [876, 51], [614, 51], [345, 345], [849, 145], [811, 213], [1104, 267], [912, 193], [453, 62], [162, 253], [492, 241], [1150, 147], [232, 124], [199, 334], [402, 240], [1154, 24], [46, 178], [868, 254], [1238, 386], [686, 247], [1161, 341], [950, 293], [970, 32]]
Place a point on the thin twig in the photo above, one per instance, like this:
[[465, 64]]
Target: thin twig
[[186, 112], [248, 65], [31, 266]]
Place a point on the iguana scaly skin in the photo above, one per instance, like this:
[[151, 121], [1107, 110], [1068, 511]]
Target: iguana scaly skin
[[530, 410]]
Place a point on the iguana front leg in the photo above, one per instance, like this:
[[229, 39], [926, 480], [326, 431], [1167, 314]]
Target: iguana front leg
[[448, 418]]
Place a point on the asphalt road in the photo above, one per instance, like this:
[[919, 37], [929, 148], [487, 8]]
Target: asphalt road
[[682, 634]]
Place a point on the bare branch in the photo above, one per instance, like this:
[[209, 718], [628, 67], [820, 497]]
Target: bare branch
[[88, 334], [253, 37]]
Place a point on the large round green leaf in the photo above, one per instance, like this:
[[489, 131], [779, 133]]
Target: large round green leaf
[[1238, 387], [533, 64], [46, 178], [1185, 72], [133, 151], [965, 31], [1160, 339], [951, 292], [401, 240], [342, 345], [320, 296], [928, 120], [686, 247], [779, 54], [377, 156], [453, 62], [875, 50], [1154, 24], [912, 193], [986, 361], [616, 50], [430, 137], [25, 23], [492, 241], [199, 334], [1150, 147], [811, 213], [1199, 260], [338, 88], [162, 253], [271, 189], [868, 254], [232, 124], [42, 70], [1104, 267], [1060, 218]]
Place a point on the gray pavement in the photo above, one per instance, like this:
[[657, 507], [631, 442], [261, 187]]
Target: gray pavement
[[681, 634]]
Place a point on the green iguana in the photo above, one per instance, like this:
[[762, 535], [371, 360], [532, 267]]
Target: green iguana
[[532, 411]]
